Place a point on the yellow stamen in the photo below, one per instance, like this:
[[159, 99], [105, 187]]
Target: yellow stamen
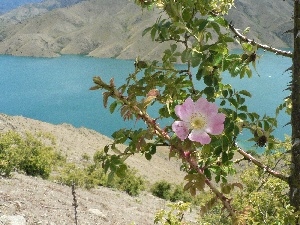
[[198, 121]]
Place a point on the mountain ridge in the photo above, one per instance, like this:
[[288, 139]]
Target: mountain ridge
[[114, 28], [7, 5]]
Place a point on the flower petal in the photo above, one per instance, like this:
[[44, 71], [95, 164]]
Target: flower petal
[[199, 136], [215, 124], [205, 108], [181, 129], [185, 110]]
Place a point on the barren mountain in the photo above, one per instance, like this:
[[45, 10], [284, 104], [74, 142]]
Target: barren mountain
[[113, 28], [96, 27]]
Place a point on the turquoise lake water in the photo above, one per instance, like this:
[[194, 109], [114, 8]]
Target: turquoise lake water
[[56, 90]]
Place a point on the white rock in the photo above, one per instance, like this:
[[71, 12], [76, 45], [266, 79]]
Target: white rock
[[97, 212], [12, 220]]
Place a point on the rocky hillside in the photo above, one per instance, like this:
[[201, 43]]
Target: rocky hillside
[[268, 20], [113, 28], [31, 200]]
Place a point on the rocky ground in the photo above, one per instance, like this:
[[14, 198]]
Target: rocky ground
[[31, 200], [38, 201]]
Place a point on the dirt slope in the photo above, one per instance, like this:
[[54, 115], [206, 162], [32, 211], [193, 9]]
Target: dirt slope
[[44, 202]]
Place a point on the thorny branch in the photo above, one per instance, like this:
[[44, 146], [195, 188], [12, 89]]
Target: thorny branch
[[161, 133], [259, 45], [263, 166]]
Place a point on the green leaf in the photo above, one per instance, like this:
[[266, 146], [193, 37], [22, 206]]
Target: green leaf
[[218, 59], [233, 102], [202, 25], [152, 149], [186, 15], [216, 27], [173, 47], [209, 91], [229, 127], [199, 74], [221, 20], [153, 33], [246, 93], [224, 93], [208, 80], [113, 106], [146, 30], [185, 55], [211, 19], [112, 167], [227, 39], [110, 177], [179, 25], [207, 173], [121, 170], [266, 126], [106, 148], [148, 156], [243, 108], [236, 130], [218, 150], [196, 58]]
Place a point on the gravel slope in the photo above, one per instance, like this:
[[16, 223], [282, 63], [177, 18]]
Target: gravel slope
[[44, 202]]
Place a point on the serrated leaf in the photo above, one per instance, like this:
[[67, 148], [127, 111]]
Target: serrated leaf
[[190, 177], [187, 186], [193, 190], [243, 108], [95, 88], [126, 112], [242, 116], [105, 98], [208, 205], [200, 185]]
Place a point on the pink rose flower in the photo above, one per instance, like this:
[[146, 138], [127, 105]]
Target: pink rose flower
[[199, 119]]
